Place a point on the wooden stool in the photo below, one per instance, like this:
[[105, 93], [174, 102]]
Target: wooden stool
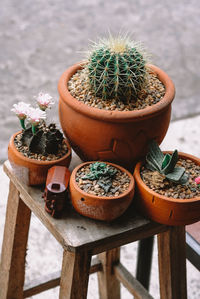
[[81, 238]]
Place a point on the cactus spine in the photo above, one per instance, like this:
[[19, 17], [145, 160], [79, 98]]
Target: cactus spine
[[116, 69]]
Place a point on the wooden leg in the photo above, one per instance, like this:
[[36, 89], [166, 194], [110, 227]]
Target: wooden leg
[[75, 275], [172, 263], [12, 268], [144, 260], [109, 286]]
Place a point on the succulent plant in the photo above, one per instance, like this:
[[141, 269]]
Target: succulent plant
[[36, 135], [103, 173], [165, 164], [117, 69], [46, 140]]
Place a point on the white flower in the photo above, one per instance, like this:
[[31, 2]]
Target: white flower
[[21, 109], [35, 115], [44, 101]]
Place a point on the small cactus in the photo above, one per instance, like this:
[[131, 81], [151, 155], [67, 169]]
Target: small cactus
[[46, 140], [117, 69], [103, 173], [165, 164]]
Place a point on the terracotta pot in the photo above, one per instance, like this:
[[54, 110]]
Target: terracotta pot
[[101, 208], [33, 172], [116, 136], [162, 209]]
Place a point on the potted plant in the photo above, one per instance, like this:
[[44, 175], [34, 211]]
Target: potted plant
[[38, 146], [101, 190], [167, 187], [113, 103]]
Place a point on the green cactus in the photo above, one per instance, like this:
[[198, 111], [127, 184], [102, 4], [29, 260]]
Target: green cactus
[[103, 173], [117, 69], [46, 140], [165, 164]]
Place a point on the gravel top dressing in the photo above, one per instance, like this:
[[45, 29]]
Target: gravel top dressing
[[158, 183], [152, 93], [120, 183]]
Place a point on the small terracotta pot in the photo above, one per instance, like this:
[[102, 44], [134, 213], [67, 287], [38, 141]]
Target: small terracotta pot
[[162, 209], [120, 137], [33, 172], [101, 208]]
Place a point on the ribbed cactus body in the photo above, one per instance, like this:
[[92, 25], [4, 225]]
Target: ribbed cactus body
[[47, 140], [116, 72]]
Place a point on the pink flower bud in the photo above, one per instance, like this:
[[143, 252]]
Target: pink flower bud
[[197, 180]]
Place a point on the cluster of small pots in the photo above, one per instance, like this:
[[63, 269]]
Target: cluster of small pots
[[116, 136]]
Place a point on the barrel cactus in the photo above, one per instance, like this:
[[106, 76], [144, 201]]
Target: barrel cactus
[[117, 69]]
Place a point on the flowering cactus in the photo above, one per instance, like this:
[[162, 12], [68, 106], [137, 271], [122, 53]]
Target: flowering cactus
[[44, 101], [36, 135]]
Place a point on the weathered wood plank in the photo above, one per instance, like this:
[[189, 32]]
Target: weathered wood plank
[[74, 231], [12, 268], [109, 286], [75, 275], [53, 280], [172, 263], [131, 283]]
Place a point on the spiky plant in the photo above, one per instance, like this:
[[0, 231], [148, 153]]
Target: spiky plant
[[117, 68], [165, 164], [103, 173]]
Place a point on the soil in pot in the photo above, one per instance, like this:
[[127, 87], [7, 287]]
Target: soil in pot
[[101, 190]]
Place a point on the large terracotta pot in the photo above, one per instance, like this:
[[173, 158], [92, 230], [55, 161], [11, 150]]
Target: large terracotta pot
[[101, 208], [115, 136], [33, 172], [164, 209]]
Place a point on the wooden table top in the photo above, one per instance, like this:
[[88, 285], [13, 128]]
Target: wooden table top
[[76, 232]]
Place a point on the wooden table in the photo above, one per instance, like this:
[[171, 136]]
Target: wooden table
[[81, 238]]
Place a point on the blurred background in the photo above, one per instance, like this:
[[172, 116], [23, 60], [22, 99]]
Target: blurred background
[[39, 39]]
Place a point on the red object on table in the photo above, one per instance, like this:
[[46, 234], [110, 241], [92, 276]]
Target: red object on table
[[55, 194]]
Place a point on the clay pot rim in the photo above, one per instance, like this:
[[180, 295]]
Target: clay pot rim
[[91, 196], [34, 161], [116, 116], [139, 180]]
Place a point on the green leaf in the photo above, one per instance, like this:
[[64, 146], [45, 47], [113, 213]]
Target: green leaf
[[105, 183], [155, 152], [152, 164], [169, 162], [184, 179], [166, 160], [176, 175], [154, 157]]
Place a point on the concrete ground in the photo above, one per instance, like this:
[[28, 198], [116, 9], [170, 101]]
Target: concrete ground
[[45, 255]]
